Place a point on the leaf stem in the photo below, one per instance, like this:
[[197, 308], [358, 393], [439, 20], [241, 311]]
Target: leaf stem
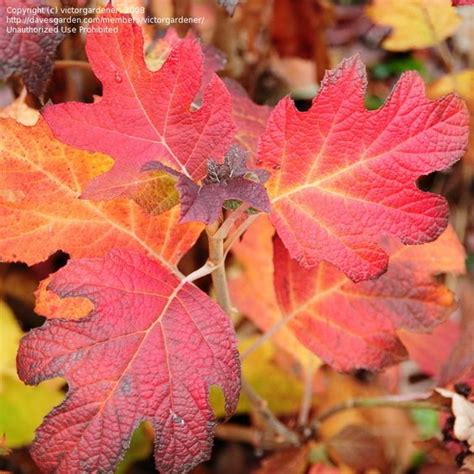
[[203, 271], [306, 401], [445, 56], [249, 435], [230, 241], [219, 278], [243, 434], [226, 226], [265, 336]]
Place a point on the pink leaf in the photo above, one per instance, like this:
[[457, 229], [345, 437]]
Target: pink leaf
[[345, 176], [144, 115], [149, 351]]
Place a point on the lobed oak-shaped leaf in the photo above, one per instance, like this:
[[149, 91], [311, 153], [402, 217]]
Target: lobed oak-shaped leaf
[[354, 325], [149, 351], [31, 54], [40, 209], [145, 115], [253, 291], [345, 176], [461, 83], [350, 325]]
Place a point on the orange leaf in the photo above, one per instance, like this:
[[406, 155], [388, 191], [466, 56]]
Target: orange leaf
[[50, 305], [41, 212], [253, 292]]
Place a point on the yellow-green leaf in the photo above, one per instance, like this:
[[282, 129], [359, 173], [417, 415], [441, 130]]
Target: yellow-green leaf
[[280, 389], [22, 408], [415, 23]]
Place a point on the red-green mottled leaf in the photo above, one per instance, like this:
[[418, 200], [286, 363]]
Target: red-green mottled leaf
[[149, 351], [231, 180], [344, 176], [40, 209], [30, 54], [144, 115]]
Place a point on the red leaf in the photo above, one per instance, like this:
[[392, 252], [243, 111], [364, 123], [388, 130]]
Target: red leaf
[[253, 291], [145, 115], [250, 118], [430, 351], [459, 366], [30, 54], [358, 447], [350, 325], [292, 460], [150, 350], [353, 325], [346, 176]]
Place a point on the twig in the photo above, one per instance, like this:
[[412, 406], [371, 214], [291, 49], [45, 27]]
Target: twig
[[446, 56], [249, 435], [265, 336], [243, 434], [219, 279], [230, 241], [284, 435], [67, 63], [413, 401], [226, 226], [309, 371], [203, 271]]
